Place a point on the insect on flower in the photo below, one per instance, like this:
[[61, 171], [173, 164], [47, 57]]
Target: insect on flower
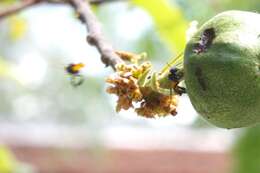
[[206, 40], [176, 75], [74, 70]]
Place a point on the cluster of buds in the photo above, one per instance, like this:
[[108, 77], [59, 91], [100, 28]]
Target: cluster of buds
[[125, 84], [157, 104], [138, 88]]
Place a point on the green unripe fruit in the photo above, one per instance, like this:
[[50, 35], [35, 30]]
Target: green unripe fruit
[[222, 69]]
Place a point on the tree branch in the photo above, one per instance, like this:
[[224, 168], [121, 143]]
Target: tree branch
[[95, 36], [98, 2], [18, 7], [28, 3]]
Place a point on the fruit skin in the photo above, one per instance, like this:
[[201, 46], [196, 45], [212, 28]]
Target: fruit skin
[[223, 82]]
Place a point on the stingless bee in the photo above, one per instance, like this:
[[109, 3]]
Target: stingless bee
[[74, 70], [176, 76]]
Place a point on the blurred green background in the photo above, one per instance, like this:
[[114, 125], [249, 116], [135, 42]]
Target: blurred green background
[[35, 92]]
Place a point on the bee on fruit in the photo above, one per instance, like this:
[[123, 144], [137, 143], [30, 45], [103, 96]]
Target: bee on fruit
[[176, 76]]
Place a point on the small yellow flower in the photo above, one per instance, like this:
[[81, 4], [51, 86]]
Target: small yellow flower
[[125, 86], [157, 105]]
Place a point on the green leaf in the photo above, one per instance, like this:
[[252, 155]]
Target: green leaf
[[246, 151], [7, 2], [7, 161], [169, 20]]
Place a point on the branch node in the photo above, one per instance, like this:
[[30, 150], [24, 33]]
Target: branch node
[[91, 40]]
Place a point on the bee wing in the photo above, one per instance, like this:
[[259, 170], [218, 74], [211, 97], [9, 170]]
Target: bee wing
[[76, 80]]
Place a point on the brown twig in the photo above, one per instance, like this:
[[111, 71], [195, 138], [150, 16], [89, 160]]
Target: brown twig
[[28, 3], [98, 2], [95, 36], [18, 7]]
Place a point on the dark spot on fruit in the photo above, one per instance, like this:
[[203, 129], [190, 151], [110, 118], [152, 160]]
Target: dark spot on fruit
[[198, 73], [205, 41]]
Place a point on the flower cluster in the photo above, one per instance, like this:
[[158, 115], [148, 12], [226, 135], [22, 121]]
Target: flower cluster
[[135, 89], [125, 84], [158, 105]]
